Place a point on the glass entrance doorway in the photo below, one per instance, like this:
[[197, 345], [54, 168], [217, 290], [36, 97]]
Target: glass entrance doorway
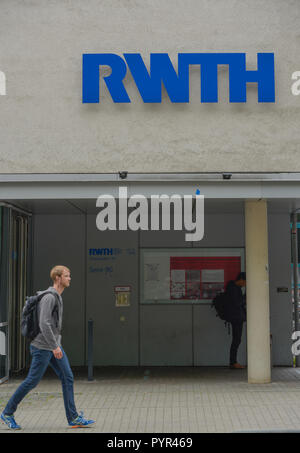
[[14, 254], [4, 253]]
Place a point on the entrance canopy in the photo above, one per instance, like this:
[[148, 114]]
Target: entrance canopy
[[80, 191], [237, 209]]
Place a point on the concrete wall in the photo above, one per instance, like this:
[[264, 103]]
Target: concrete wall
[[48, 129]]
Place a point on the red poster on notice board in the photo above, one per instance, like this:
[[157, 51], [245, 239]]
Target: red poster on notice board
[[201, 277]]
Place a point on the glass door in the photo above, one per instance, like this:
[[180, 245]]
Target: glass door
[[14, 278], [4, 293], [18, 283]]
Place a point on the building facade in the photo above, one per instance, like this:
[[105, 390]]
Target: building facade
[[58, 153]]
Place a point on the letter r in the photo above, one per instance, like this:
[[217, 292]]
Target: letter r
[[90, 77]]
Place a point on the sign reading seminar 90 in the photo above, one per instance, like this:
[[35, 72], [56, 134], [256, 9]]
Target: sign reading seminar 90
[[162, 70]]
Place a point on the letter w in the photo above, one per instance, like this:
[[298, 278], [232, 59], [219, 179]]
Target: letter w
[[161, 70]]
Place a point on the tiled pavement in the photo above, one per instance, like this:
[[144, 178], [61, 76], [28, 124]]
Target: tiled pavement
[[164, 400]]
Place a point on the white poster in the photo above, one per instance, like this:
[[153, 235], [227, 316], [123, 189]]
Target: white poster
[[213, 276]]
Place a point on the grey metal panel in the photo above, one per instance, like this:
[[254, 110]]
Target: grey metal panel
[[42, 206], [91, 190], [215, 190], [166, 335], [211, 339], [163, 239], [223, 230], [59, 239], [280, 276], [115, 328], [175, 177], [281, 190]]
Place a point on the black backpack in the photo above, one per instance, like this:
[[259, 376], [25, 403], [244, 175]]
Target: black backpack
[[222, 306], [29, 321]]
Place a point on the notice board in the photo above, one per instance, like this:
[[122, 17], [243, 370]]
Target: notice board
[[187, 275]]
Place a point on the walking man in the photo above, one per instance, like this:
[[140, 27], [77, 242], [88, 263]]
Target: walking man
[[237, 316], [46, 350]]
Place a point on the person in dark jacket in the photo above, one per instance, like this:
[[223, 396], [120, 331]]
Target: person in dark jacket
[[237, 316]]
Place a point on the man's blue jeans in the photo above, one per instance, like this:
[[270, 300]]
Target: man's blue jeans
[[40, 361]]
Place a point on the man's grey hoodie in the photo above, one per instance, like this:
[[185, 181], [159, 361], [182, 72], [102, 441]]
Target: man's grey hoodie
[[49, 337]]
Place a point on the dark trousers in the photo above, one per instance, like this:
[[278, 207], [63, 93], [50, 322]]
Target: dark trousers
[[237, 330]]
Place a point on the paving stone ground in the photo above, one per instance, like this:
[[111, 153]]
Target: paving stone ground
[[163, 400]]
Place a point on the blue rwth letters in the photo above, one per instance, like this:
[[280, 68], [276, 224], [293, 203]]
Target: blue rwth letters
[[177, 83]]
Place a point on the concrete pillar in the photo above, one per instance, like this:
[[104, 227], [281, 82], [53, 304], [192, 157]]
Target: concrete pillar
[[257, 274]]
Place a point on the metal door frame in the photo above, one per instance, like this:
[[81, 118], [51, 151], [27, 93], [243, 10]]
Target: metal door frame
[[18, 239], [5, 322], [5, 378]]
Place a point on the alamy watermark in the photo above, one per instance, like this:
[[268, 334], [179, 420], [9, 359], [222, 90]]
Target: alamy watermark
[[153, 213], [296, 345]]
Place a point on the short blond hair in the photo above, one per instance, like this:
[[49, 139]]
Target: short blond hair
[[57, 271]]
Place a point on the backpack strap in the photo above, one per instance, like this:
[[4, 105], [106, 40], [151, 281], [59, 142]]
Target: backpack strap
[[55, 309]]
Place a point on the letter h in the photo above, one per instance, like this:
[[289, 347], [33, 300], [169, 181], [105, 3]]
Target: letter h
[[264, 76]]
